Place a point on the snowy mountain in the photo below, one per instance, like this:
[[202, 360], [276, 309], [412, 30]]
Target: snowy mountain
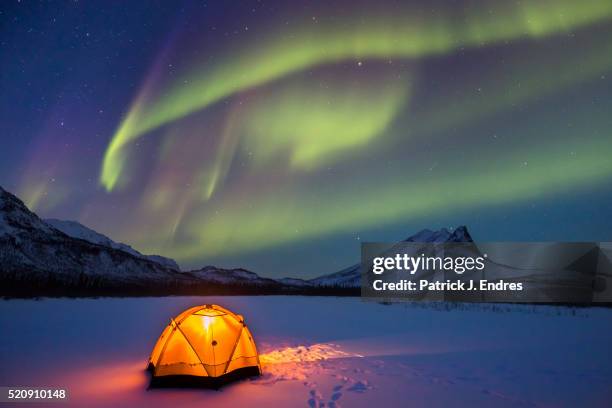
[[51, 257], [77, 230], [65, 257], [351, 277], [35, 256], [348, 277], [296, 282], [459, 234], [237, 276]]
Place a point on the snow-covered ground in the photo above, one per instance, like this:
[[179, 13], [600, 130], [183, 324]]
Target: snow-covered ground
[[321, 351]]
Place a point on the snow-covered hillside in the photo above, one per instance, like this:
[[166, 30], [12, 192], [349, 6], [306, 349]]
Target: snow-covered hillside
[[77, 230], [40, 257], [39, 253], [237, 276], [295, 282], [35, 254]]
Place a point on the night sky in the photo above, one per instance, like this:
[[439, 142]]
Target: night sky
[[278, 136]]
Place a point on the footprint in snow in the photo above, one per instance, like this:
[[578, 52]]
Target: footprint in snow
[[315, 400], [336, 394], [316, 394], [360, 386]]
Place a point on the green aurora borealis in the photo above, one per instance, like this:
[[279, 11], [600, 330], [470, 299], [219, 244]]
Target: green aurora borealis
[[335, 120], [412, 34]]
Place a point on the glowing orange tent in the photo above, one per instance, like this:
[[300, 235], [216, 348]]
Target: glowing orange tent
[[205, 341]]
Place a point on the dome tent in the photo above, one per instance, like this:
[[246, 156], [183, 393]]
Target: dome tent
[[204, 345]]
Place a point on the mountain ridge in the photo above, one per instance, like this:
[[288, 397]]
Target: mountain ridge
[[34, 252], [37, 254], [38, 259], [77, 230]]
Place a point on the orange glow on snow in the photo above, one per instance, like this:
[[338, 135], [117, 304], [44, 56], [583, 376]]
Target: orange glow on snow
[[315, 352], [105, 380]]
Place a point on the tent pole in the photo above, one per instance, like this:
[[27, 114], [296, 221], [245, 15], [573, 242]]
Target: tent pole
[[233, 350], [161, 353], [192, 348]]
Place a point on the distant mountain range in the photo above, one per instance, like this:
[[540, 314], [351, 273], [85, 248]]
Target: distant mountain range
[[36, 257], [351, 276], [55, 257]]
